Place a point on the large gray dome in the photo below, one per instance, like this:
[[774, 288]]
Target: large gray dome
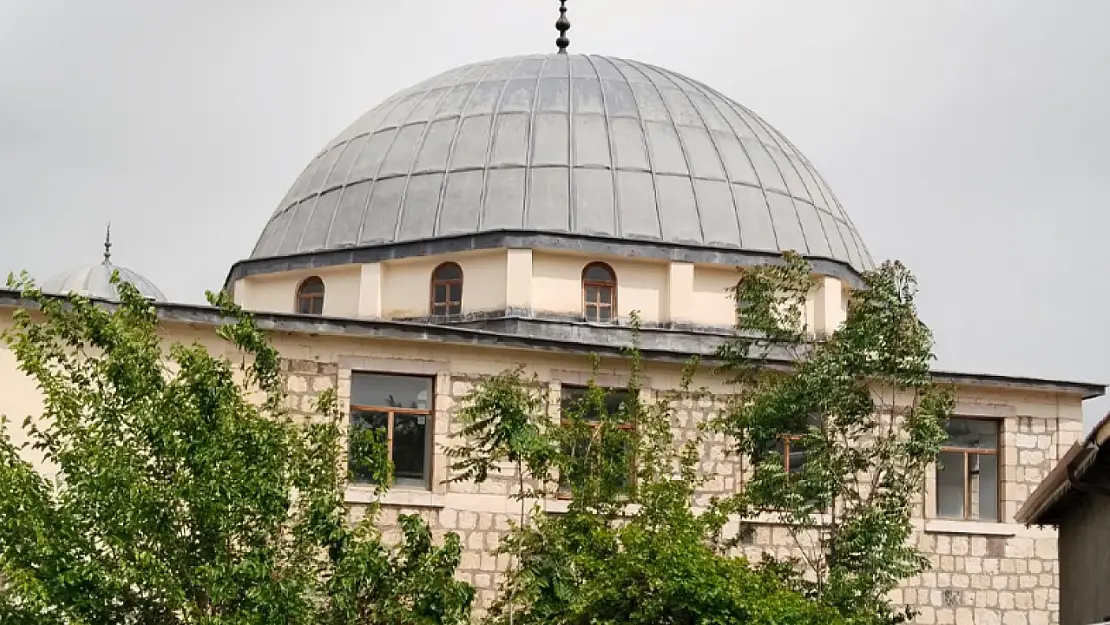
[[581, 145]]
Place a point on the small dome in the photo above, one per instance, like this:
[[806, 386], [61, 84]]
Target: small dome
[[95, 280], [562, 144]]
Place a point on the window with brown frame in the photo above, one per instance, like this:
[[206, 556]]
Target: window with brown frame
[[310, 296], [400, 407], [570, 398], [793, 453], [599, 292], [447, 289], [967, 484]]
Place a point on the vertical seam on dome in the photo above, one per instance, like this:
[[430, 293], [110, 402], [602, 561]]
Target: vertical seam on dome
[[282, 210], [377, 172], [716, 150], [343, 189], [572, 209], [492, 140], [531, 147], [646, 142], [793, 204], [762, 185], [451, 152], [681, 146], [823, 186], [831, 200], [617, 229], [776, 136], [316, 200], [416, 156]]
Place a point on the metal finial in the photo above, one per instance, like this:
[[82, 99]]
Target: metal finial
[[562, 25], [108, 243]]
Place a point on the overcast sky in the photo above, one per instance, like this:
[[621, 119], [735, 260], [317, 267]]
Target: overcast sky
[[969, 139]]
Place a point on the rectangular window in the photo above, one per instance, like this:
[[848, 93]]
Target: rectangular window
[[967, 485], [400, 407], [571, 397]]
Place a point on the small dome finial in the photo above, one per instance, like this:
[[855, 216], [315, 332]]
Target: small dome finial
[[562, 25], [108, 243]]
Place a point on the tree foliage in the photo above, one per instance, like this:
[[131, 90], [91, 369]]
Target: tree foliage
[[859, 402], [180, 500], [863, 407]]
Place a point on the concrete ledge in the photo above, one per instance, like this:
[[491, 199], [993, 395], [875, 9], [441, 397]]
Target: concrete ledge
[[977, 528], [398, 496]]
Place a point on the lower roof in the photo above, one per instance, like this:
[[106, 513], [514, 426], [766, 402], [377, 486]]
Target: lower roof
[[667, 344], [1084, 468]]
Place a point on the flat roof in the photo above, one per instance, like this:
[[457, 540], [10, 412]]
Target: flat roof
[[668, 344]]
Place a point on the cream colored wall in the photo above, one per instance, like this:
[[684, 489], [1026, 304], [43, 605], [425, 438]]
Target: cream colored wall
[[557, 285], [406, 283], [541, 281], [278, 292], [712, 301], [19, 398]]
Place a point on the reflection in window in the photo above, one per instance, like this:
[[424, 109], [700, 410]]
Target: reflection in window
[[400, 407], [599, 292], [967, 484], [310, 296], [447, 286], [571, 401]]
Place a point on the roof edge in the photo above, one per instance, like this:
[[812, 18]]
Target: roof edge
[[676, 345], [1072, 466]]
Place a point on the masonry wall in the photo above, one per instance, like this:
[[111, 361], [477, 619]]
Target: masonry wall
[[983, 573]]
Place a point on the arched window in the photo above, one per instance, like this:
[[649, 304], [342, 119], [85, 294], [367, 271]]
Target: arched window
[[447, 290], [310, 296], [599, 292]]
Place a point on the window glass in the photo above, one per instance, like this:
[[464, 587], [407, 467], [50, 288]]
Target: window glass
[[950, 485], [793, 454], [972, 434], [598, 273], [310, 297], [571, 396], [390, 391], [409, 445], [399, 408], [448, 271], [967, 483], [983, 484]]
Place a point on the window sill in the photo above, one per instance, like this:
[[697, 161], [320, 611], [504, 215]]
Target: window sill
[[978, 528], [408, 496]]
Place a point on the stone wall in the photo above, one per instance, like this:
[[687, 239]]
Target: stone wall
[[982, 573]]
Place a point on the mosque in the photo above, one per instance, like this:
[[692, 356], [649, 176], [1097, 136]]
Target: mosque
[[517, 212]]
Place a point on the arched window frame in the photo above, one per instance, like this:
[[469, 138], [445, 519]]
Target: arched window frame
[[450, 305], [594, 306], [310, 302]]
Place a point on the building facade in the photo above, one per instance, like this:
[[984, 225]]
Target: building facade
[[1075, 498], [518, 212]]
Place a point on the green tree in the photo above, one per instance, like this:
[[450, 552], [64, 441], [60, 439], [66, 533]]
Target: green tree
[[178, 500], [625, 551], [859, 406]]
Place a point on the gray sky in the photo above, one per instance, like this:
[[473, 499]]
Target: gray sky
[[969, 139]]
